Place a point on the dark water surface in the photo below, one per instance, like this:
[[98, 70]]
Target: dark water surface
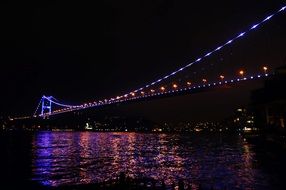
[[219, 160]]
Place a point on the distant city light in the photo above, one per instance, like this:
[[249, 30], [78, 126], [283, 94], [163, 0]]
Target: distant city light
[[247, 129], [175, 86]]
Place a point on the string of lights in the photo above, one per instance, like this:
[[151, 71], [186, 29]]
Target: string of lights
[[51, 99], [165, 92], [40, 102], [199, 59]]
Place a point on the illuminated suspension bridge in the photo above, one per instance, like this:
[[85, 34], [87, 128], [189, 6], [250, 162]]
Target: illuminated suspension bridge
[[165, 85]]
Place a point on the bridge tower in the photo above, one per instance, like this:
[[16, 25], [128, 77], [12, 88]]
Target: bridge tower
[[46, 105], [44, 108]]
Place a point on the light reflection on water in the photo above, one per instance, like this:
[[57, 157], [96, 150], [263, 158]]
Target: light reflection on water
[[61, 158]]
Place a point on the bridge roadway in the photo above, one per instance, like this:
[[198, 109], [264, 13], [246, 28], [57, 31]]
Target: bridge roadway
[[166, 94]]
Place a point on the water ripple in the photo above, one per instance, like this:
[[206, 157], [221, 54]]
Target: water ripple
[[61, 158]]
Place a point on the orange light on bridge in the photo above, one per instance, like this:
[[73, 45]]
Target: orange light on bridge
[[132, 94], [241, 72], [221, 77], [175, 86], [204, 80], [265, 69], [152, 91], [163, 88], [189, 83], [142, 93]]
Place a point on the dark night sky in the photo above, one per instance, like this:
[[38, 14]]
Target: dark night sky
[[79, 51]]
